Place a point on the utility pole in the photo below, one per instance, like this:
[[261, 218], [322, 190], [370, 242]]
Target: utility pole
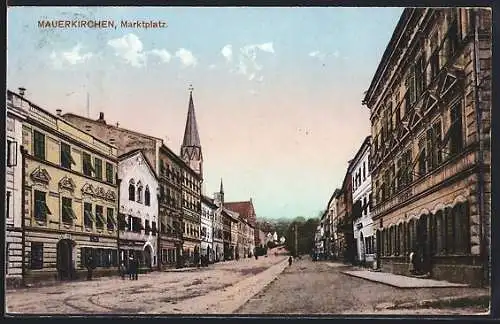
[[296, 245]]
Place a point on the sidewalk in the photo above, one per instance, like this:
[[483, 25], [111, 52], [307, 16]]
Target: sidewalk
[[400, 281]]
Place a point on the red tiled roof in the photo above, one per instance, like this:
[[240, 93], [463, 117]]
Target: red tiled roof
[[244, 208]]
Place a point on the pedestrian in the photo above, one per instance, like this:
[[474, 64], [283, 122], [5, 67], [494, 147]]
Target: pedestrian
[[136, 268], [130, 268], [290, 260], [123, 269], [90, 267], [411, 268]]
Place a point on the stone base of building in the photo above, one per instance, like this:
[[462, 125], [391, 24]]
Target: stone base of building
[[47, 278], [457, 273], [13, 282]]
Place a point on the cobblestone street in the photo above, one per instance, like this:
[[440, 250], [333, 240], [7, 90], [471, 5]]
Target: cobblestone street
[[219, 288], [319, 288]]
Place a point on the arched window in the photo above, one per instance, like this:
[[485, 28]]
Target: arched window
[[401, 239], [462, 228], [440, 232], [450, 226], [389, 250], [147, 196], [411, 235], [131, 190], [139, 192]]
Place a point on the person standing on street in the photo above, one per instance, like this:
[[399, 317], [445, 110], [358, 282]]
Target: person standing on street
[[90, 266], [130, 268], [290, 260], [136, 268]]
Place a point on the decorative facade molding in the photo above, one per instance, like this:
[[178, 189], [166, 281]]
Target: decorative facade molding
[[67, 183], [40, 175]]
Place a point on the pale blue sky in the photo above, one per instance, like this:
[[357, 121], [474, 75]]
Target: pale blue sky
[[279, 114]]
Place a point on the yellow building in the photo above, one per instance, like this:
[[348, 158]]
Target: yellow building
[[70, 199]]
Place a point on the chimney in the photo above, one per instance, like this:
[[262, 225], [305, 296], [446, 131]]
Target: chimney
[[58, 112], [21, 91], [101, 118]]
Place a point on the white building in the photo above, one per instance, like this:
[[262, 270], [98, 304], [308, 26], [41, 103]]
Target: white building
[[138, 208], [361, 197], [13, 199], [208, 209]]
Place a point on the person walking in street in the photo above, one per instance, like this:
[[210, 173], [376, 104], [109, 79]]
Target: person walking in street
[[290, 260], [130, 268], [123, 270], [90, 267], [136, 268]]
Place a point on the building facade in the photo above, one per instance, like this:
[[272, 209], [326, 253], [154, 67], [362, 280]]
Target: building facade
[[345, 218], [138, 209], [430, 109], [13, 193], [219, 231], [332, 216], [364, 235], [208, 209], [70, 199], [191, 155], [246, 225]]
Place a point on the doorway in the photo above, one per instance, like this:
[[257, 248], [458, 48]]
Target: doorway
[[423, 253], [65, 259], [361, 248], [147, 256]]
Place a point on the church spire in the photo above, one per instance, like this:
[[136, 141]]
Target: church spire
[[191, 147], [221, 190]]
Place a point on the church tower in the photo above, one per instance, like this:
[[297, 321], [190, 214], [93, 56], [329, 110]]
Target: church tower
[[219, 196], [191, 147]]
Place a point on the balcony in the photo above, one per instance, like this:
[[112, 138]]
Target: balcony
[[449, 169]]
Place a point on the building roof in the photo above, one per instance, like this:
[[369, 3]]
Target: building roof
[[230, 214], [364, 146], [191, 136], [244, 208], [129, 154], [389, 50], [209, 201], [110, 126]]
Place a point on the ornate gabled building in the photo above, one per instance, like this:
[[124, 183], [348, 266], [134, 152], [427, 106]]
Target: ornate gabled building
[[246, 226], [430, 110], [69, 199], [138, 208]]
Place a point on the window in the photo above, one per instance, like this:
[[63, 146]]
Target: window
[[110, 219], [109, 172], [36, 255], [433, 145], [66, 158], [153, 227], [364, 171], [462, 228], [420, 75], [88, 217], [453, 41], [139, 193], [98, 168], [148, 228], [422, 157], [131, 190], [434, 58], [99, 210], [162, 167], [87, 164], [456, 134], [7, 204], [41, 208], [147, 197], [67, 211], [39, 145], [411, 87], [11, 153]]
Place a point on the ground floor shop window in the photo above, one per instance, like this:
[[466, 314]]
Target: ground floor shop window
[[36, 258], [101, 257]]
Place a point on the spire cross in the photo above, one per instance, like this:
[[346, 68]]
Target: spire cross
[[191, 88]]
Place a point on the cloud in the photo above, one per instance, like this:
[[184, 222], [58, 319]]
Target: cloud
[[227, 52], [162, 54], [247, 59], [187, 58], [129, 47], [211, 66], [317, 54], [72, 57]]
